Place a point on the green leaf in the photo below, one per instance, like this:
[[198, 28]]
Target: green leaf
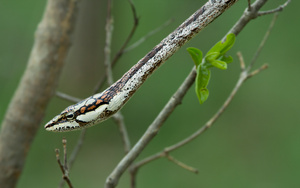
[[219, 64], [202, 79], [196, 55], [212, 56], [227, 59], [222, 48]]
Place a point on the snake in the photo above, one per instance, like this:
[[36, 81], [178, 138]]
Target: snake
[[101, 106]]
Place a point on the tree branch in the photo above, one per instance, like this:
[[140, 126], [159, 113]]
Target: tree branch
[[153, 129], [36, 88], [170, 106], [64, 168], [245, 74], [121, 50]]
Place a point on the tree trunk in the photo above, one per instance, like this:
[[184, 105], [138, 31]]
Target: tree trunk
[[37, 86]]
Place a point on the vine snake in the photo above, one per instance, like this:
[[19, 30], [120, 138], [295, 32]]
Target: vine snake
[[101, 106]]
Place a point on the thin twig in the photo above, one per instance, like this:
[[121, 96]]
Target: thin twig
[[181, 164], [108, 64], [241, 60], [121, 50], [255, 72], [64, 141], [278, 9], [107, 48], [248, 15], [67, 97], [64, 168], [145, 37], [58, 161], [262, 43], [119, 119], [74, 154], [249, 5], [133, 29]]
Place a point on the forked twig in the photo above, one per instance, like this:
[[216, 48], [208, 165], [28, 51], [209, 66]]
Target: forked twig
[[278, 9], [64, 167]]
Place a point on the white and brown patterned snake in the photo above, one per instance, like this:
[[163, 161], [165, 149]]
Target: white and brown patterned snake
[[101, 106]]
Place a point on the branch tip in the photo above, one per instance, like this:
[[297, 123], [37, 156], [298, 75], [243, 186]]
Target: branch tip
[[241, 60], [181, 164], [278, 9]]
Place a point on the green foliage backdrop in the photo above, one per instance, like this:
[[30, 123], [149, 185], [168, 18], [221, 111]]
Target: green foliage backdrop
[[254, 144]]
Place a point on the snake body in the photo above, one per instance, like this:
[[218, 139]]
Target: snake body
[[101, 106]]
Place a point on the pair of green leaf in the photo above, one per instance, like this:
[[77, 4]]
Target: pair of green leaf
[[215, 57]]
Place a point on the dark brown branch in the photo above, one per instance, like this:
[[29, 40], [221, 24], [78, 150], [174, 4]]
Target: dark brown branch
[[27, 108]]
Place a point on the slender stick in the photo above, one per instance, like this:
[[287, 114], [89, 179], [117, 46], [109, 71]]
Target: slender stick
[[262, 44], [278, 9], [144, 38], [107, 49], [118, 117]]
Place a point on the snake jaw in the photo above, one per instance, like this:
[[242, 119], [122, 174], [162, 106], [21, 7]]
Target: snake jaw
[[81, 115], [63, 122]]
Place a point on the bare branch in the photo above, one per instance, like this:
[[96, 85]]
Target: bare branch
[[121, 50], [74, 154], [262, 44], [152, 130], [278, 9], [135, 24], [245, 74], [108, 64], [119, 119], [107, 48], [64, 168], [151, 33], [181, 164], [249, 5], [255, 72], [64, 141], [67, 97], [241, 60], [58, 161]]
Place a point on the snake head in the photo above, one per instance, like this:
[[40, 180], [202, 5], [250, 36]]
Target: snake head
[[81, 115]]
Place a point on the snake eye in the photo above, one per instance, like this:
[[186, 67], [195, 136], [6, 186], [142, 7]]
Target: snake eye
[[70, 116]]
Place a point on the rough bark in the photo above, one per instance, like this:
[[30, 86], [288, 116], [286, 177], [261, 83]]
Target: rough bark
[[37, 86]]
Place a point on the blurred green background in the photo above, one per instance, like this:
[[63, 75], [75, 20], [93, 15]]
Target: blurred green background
[[254, 144]]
